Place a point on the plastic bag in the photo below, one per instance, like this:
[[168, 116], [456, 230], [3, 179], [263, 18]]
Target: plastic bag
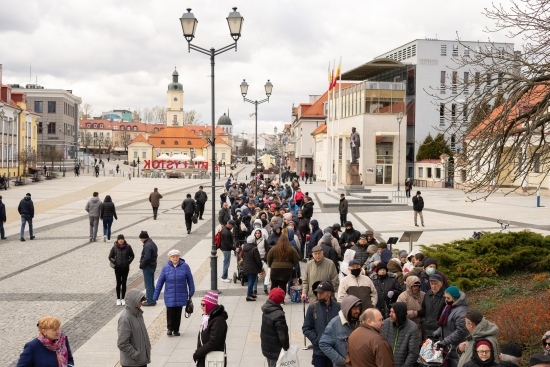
[[428, 353], [289, 357], [267, 276]]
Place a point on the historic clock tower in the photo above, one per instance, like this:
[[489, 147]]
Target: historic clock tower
[[174, 115]]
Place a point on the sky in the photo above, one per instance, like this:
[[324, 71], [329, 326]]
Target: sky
[[121, 54]]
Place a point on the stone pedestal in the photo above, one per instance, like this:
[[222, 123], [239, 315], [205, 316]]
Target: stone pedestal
[[353, 178]]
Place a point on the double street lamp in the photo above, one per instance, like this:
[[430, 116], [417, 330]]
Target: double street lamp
[[399, 118], [189, 26], [244, 90]]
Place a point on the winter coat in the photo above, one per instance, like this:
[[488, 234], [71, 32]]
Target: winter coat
[[432, 305], [330, 253], [361, 254], [252, 261], [303, 227], [418, 203], [154, 199], [232, 192], [348, 237], [272, 262], [455, 331], [149, 255], [227, 242], [484, 330], [201, 197], [35, 354], [334, 341], [93, 207], [394, 267], [314, 238], [178, 284], [121, 256], [317, 318], [361, 287], [475, 361], [273, 237], [307, 209], [335, 245], [413, 302], [107, 208], [2, 212], [224, 215], [383, 286], [325, 269], [213, 337], [133, 339], [343, 206], [367, 348], [274, 331], [402, 336], [189, 206]]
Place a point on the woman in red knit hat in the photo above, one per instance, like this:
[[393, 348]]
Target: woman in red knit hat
[[483, 356]]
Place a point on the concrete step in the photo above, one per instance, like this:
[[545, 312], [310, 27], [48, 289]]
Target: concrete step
[[369, 196], [364, 203]]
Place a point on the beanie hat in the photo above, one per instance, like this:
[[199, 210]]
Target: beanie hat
[[327, 238], [403, 253], [210, 301], [453, 291], [381, 265], [484, 342], [429, 261], [418, 193], [277, 295], [372, 249], [144, 234], [382, 245], [287, 216], [27, 194], [120, 237], [474, 316], [511, 349]]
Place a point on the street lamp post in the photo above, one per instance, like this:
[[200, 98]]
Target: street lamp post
[[2, 114], [138, 162], [189, 26], [399, 119], [244, 90], [276, 142]]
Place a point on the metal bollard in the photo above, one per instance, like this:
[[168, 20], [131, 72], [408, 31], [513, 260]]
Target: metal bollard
[[129, 176]]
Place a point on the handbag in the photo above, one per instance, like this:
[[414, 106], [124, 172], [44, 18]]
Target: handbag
[[243, 227], [189, 308], [195, 219], [215, 358]]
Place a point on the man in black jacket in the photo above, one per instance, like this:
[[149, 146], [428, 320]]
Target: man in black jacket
[[227, 245], [189, 208], [343, 209], [315, 237], [26, 210], [418, 206], [349, 237], [200, 198], [307, 210], [224, 215], [274, 331], [148, 264], [2, 219], [432, 306]]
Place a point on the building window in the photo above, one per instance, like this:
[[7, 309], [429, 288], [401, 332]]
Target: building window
[[500, 80], [438, 173], [143, 154], [420, 172], [442, 114], [135, 128], [466, 80], [477, 81], [51, 106], [442, 82], [465, 112], [453, 113], [454, 81], [115, 127], [466, 51], [488, 80], [453, 143], [414, 50], [51, 128], [443, 50], [128, 128], [428, 172], [101, 126], [162, 142], [223, 155], [536, 163], [176, 143], [88, 125], [38, 106], [95, 126], [175, 119], [455, 50], [188, 142], [135, 154]]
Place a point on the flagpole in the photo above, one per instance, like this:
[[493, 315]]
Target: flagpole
[[328, 154], [340, 97]]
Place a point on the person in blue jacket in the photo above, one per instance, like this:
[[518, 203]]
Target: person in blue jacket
[[179, 287], [49, 348]]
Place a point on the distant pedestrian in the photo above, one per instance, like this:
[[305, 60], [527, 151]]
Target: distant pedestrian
[[334, 178], [133, 339], [200, 198], [343, 209], [26, 210], [93, 207], [96, 171], [227, 246], [2, 219], [50, 348], [117, 168], [213, 329], [189, 208], [179, 287], [274, 331], [418, 206], [408, 187], [154, 199], [121, 255], [148, 264], [107, 212]]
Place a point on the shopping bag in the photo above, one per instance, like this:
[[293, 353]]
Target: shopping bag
[[289, 357], [267, 279], [429, 354]]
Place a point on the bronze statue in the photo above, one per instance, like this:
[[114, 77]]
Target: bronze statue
[[355, 144]]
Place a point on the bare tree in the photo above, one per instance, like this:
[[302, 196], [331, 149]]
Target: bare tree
[[53, 155], [146, 115], [108, 144], [125, 140], [159, 114], [27, 157], [500, 109], [192, 117], [86, 111], [85, 139]]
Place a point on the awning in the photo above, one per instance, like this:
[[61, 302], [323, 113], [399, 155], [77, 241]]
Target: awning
[[371, 69]]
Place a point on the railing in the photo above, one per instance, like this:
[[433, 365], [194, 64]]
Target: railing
[[399, 196]]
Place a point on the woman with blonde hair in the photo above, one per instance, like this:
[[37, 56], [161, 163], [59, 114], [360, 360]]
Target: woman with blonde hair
[[281, 260], [49, 349]]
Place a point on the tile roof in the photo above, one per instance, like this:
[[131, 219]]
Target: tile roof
[[140, 139], [317, 109], [320, 130]]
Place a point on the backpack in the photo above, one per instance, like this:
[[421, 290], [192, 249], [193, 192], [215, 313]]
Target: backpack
[[218, 239]]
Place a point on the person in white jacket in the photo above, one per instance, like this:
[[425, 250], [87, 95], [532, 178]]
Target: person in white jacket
[[257, 225], [358, 285]]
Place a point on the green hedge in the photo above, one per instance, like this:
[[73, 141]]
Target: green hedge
[[472, 263]]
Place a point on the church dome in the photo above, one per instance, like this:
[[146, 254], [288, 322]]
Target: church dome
[[175, 85], [224, 120]]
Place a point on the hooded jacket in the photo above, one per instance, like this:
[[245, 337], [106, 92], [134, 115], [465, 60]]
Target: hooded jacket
[[361, 287], [328, 250], [349, 236], [133, 339], [413, 302], [394, 266], [402, 336], [273, 237], [307, 209], [315, 237], [383, 287], [333, 241], [213, 337], [178, 284], [107, 208], [93, 207], [334, 341], [274, 331], [318, 316], [26, 207], [252, 261], [475, 361], [121, 255], [484, 330]]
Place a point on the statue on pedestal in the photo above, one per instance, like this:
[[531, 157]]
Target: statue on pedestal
[[355, 144]]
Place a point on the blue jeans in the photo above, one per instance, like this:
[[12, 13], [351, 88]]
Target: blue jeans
[[107, 223], [226, 261], [256, 285], [149, 280], [251, 280], [321, 361], [25, 220], [94, 223]]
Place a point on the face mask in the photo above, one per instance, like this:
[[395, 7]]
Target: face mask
[[355, 272], [256, 227], [430, 271], [449, 302]]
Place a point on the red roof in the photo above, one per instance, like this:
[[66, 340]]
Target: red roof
[[317, 109], [140, 139], [320, 130]]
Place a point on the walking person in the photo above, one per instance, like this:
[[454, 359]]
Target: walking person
[[274, 331], [252, 263], [121, 256], [2, 219], [107, 212], [408, 187], [133, 339], [117, 168], [148, 264], [281, 259], [93, 208], [179, 287], [26, 210], [213, 329], [154, 199], [418, 206], [96, 171], [189, 208], [50, 348], [227, 246], [343, 209], [200, 198]]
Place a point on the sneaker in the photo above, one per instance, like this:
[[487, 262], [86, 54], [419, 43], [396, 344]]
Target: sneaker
[[104, 238], [22, 239], [250, 299], [225, 280], [122, 302], [177, 333], [188, 231], [32, 237], [91, 238], [118, 302]]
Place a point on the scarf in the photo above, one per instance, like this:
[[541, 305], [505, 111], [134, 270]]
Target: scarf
[[445, 315], [204, 323], [58, 346]]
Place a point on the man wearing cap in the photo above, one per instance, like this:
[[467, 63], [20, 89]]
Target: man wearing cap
[[430, 268], [227, 245], [418, 206], [510, 355], [318, 269], [358, 285], [224, 214], [200, 198], [343, 209], [349, 237], [479, 328], [334, 341], [148, 265], [318, 315], [133, 339], [402, 334], [370, 238], [432, 305], [26, 210]]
